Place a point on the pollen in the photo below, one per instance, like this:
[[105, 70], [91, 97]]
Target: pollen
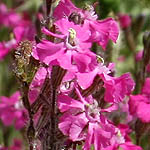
[[72, 37], [119, 133], [72, 33]]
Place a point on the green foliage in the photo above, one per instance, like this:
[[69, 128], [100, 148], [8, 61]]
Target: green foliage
[[4, 34], [107, 6]]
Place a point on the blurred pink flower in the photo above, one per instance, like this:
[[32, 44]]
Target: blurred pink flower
[[139, 105], [125, 20], [12, 111], [86, 79], [17, 145], [8, 18], [21, 33], [121, 58], [5, 48], [21, 26], [139, 55]]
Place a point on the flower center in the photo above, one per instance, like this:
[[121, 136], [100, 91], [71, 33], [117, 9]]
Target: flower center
[[92, 111], [121, 139], [18, 105], [72, 36]]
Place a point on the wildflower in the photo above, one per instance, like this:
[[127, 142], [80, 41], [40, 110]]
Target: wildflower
[[122, 139], [139, 105], [115, 87], [8, 18], [11, 111], [101, 30], [83, 120], [5, 48], [21, 26], [72, 53], [118, 87]]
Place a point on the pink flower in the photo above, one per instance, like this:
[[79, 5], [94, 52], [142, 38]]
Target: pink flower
[[86, 79], [3, 51], [8, 18], [24, 33], [20, 33], [125, 20], [75, 36], [146, 88], [129, 146], [5, 48], [101, 31], [118, 87], [20, 24], [72, 53], [83, 114], [122, 140], [11, 111], [67, 9], [139, 105]]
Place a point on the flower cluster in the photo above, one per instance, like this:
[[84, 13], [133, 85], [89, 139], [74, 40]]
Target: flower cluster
[[76, 73], [68, 91]]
